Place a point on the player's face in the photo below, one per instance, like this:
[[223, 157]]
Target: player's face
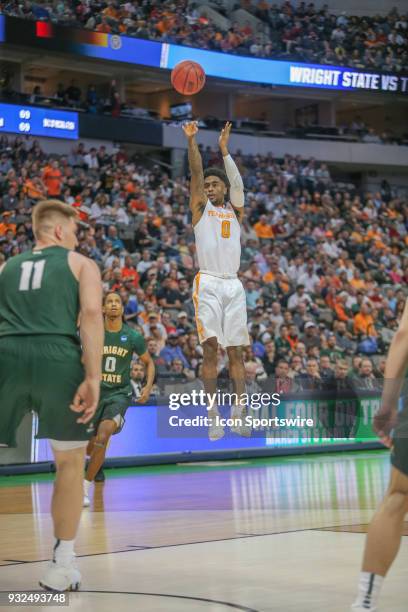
[[113, 306], [215, 190]]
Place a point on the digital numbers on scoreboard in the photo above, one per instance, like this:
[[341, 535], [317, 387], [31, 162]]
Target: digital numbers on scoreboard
[[38, 121]]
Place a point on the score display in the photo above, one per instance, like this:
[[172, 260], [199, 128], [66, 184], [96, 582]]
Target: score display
[[38, 121]]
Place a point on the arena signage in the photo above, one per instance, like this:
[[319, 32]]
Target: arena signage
[[37, 121], [273, 72], [137, 51], [149, 432]]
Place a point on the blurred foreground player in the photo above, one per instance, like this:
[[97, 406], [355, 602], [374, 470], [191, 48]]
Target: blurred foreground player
[[121, 342], [385, 531], [218, 295], [42, 368]]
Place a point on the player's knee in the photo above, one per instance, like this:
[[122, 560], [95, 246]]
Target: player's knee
[[70, 465], [396, 503], [102, 439]]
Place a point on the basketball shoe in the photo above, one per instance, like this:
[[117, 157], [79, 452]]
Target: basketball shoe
[[215, 430], [238, 413], [61, 577]]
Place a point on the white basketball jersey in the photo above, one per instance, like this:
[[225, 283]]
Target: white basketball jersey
[[218, 240]]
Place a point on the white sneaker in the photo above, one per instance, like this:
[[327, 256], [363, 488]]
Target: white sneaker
[[240, 428], [61, 577], [215, 431], [86, 502], [357, 608]]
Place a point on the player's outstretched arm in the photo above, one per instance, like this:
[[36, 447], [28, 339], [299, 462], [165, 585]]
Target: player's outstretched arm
[[197, 195], [92, 337], [150, 374], [395, 371], [237, 197]]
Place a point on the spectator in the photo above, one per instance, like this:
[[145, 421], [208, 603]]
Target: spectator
[[282, 344], [263, 229], [326, 370], [311, 379], [333, 351], [283, 382], [73, 94], [366, 379], [91, 159], [52, 179], [172, 351], [311, 336], [251, 386], [183, 323], [137, 378], [344, 381], [167, 297], [364, 321], [299, 297]]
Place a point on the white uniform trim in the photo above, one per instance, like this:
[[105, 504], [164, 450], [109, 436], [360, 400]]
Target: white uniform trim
[[218, 274], [65, 445]]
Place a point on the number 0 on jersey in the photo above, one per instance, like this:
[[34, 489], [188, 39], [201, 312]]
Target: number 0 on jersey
[[226, 229]]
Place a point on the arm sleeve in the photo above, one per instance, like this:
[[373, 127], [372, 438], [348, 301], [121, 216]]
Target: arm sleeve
[[236, 183]]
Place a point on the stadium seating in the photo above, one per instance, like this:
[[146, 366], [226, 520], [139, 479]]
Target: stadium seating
[[280, 30], [347, 249]]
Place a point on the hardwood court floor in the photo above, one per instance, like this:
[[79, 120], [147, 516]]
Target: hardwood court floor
[[279, 534]]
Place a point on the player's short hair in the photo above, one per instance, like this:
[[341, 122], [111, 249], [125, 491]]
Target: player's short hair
[[47, 212], [111, 293], [218, 173]]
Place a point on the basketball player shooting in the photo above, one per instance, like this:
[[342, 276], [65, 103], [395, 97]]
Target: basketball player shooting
[[218, 294], [120, 344]]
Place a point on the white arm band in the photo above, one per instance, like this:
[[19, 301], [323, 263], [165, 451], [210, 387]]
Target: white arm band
[[236, 184]]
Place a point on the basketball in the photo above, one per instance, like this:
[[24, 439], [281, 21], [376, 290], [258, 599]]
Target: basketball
[[188, 78]]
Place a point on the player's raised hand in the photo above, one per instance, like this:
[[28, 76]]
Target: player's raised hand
[[144, 396], [384, 422], [224, 138], [190, 128], [86, 399]]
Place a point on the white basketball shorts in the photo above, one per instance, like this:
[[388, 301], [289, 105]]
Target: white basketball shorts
[[220, 310]]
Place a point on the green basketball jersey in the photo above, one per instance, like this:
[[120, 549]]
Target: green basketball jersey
[[117, 356], [39, 295]]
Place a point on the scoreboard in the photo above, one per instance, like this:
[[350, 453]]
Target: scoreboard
[[36, 121]]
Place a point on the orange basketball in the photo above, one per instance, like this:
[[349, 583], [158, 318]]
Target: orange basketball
[[188, 78]]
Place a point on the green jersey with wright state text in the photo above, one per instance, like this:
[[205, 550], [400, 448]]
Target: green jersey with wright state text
[[118, 351]]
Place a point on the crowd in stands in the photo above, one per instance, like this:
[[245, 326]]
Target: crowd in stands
[[286, 30], [324, 268], [72, 95]]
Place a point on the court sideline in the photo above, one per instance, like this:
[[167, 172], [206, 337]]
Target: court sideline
[[262, 535]]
